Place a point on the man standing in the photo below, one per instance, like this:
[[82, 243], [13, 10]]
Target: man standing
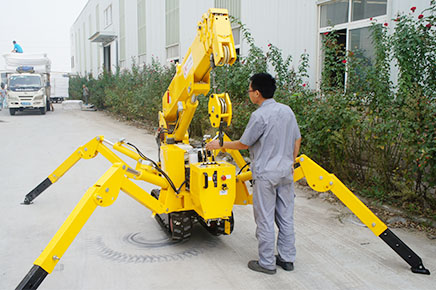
[[17, 47], [85, 94], [2, 95], [274, 139]]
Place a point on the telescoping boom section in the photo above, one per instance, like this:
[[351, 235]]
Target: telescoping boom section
[[192, 185], [213, 46]]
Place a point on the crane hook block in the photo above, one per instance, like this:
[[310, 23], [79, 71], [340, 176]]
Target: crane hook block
[[220, 109]]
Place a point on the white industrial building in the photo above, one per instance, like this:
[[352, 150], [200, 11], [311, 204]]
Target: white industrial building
[[110, 33]]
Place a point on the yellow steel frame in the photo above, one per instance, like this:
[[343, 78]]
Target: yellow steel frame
[[214, 37], [320, 180], [243, 196], [103, 193]]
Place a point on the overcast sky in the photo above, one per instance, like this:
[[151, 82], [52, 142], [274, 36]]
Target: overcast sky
[[39, 26]]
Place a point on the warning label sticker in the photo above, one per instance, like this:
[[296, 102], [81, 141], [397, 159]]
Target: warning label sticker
[[188, 65]]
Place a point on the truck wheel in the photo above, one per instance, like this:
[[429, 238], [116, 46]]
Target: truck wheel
[[12, 111], [43, 110]]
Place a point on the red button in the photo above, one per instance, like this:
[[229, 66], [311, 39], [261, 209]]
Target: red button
[[223, 177]]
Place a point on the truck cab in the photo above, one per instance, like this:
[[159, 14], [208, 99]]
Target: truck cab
[[28, 82], [26, 90]]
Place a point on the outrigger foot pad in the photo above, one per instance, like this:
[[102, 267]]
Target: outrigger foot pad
[[404, 251], [420, 270], [37, 191], [33, 279]]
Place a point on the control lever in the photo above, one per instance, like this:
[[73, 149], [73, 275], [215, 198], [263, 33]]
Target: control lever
[[203, 147], [221, 133]]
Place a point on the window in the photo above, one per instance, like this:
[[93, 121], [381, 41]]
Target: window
[[25, 81], [108, 16], [90, 25], [234, 7], [90, 43], [352, 19], [78, 51], [172, 28], [97, 29], [122, 31], [141, 28], [84, 48], [335, 12], [97, 18], [360, 43], [368, 8], [72, 57]]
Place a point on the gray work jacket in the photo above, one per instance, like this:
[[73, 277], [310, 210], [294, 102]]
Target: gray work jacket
[[271, 134]]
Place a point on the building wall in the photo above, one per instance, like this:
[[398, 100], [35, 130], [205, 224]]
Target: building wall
[[155, 19], [291, 25], [131, 33], [86, 56], [190, 14], [399, 6]]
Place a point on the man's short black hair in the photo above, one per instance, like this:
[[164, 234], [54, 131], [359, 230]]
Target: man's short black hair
[[264, 83], [14, 42]]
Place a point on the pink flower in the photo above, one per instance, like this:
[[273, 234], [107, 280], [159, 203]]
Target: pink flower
[[420, 16], [326, 33], [413, 9], [304, 85], [385, 24], [344, 61], [370, 18], [397, 19], [428, 25], [269, 44]]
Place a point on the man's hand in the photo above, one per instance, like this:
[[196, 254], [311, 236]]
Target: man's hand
[[233, 145], [213, 145]]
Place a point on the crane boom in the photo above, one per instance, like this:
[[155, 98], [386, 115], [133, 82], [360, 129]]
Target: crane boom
[[212, 46]]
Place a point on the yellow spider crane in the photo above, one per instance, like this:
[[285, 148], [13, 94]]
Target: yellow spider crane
[[192, 184]]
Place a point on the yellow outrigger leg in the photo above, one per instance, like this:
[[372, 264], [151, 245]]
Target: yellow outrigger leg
[[320, 180], [103, 193]]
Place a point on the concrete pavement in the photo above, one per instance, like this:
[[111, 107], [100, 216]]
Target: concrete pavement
[[122, 247]]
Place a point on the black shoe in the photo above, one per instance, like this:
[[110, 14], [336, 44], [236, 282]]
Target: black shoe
[[254, 265], [287, 266]]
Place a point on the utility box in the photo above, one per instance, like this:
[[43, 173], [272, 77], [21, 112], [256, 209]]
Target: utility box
[[213, 189]]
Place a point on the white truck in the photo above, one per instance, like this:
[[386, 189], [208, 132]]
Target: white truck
[[59, 87], [28, 82]]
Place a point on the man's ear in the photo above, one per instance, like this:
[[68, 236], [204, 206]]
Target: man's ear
[[259, 95]]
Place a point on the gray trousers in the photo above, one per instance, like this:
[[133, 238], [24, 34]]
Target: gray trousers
[[274, 201]]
